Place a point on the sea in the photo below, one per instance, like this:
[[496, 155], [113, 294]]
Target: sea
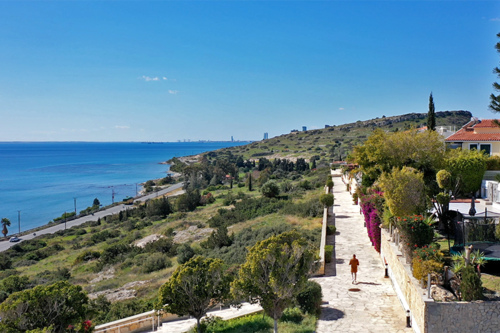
[[39, 181]]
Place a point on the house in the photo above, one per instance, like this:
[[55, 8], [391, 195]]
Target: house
[[477, 134]]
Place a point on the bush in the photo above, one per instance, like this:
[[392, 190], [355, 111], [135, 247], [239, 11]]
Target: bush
[[5, 262], [310, 208], [184, 253], [326, 199], [156, 262], [328, 253], [270, 189], [162, 245], [331, 229], [86, 256], [292, 315], [471, 287], [429, 253], [310, 299], [493, 163], [415, 232], [423, 267]]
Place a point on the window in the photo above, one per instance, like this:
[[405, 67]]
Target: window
[[472, 146], [486, 148]]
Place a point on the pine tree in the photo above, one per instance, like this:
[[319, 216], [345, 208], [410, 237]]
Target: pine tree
[[431, 115], [495, 100]]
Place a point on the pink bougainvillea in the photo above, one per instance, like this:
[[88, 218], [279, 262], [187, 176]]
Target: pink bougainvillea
[[370, 204]]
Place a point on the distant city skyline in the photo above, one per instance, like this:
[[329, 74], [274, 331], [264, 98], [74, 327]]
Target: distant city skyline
[[164, 70]]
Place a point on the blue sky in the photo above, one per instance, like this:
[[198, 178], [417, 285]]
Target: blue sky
[[163, 71]]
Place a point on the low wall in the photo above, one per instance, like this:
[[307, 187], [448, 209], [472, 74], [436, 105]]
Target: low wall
[[147, 321], [322, 263], [405, 284], [429, 316]]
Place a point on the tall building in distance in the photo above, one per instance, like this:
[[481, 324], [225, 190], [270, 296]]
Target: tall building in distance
[[304, 128], [232, 138], [266, 136]]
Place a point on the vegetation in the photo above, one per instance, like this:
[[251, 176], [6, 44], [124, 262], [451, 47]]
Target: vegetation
[[194, 287], [495, 99], [275, 272], [431, 115]]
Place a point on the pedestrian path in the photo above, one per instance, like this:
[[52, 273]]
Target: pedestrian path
[[371, 305]]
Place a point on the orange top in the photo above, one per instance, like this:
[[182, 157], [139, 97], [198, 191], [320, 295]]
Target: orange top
[[354, 265]]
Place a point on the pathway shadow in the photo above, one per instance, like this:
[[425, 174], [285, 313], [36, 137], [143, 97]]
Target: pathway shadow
[[339, 261], [329, 314], [369, 283], [342, 216]]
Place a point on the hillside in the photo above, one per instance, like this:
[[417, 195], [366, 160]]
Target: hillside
[[336, 142]]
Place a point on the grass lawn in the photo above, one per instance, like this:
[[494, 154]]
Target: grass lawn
[[491, 282]]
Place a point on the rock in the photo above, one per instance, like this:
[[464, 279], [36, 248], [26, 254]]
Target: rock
[[148, 239], [193, 233], [104, 275], [119, 294], [439, 293]]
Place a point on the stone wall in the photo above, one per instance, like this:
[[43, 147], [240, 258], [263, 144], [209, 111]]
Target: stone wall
[[405, 284], [147, 321], [429, 316], [462, 317]]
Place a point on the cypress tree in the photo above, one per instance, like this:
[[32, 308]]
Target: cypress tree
[[249, 181], [495, 99], [431, 115]]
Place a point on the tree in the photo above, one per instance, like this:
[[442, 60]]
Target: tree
[[471, 287], [275, 272], [495, 99], [431, 115], [58, 306], [467, 168], [270, 189], [326, 199], [249, 181], [404, 190], [383, 151], [96, 203], [329, 184], [5, 223], [194, 287]]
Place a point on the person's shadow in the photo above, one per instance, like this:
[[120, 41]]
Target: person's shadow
[[369, 283]]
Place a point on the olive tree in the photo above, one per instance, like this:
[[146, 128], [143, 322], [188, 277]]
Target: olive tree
[[275, 272], [194, 287], [55, 306]]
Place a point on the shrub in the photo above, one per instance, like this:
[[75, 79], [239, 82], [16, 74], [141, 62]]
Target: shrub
[[86, 256], [270, 189], [471, 287], [310, 299], [310, 208], [328, 253], [184, 253], [326, 199], [493, 163], [23, 263], [162, 245], [429, 253], [330, 229], [414, 231], [292, 315], [329, 183], [5, 262], [423, 267], [156, 262]]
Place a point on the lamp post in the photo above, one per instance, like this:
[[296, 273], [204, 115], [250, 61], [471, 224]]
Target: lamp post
[[19, 220], [75, 206]]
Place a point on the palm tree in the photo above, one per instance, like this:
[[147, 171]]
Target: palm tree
[[5, 223]]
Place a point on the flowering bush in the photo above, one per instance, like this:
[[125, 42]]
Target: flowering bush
[[430, 252], [414, 231], [371, 207]]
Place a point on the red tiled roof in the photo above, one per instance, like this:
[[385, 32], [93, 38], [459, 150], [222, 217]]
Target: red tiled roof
[[467, 133], [486, 123]]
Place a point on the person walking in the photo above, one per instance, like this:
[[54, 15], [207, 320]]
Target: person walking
[[354, 268]]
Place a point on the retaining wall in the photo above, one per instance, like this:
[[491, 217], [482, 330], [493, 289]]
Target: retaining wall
[[429, 316]]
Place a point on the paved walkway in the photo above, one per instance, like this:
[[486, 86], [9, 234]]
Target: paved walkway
[[375, 307]]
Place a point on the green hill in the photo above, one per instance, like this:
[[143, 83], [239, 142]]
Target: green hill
[[336, 142]]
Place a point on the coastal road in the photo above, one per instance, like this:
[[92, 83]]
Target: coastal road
[[4, 245]]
